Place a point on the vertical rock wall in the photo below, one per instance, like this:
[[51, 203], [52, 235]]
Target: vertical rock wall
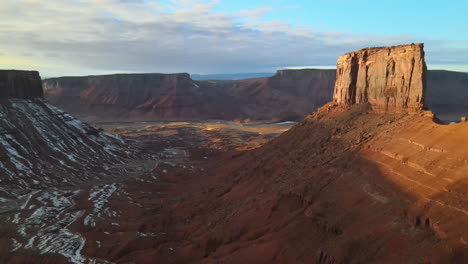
[[391, 79], [20, 84]]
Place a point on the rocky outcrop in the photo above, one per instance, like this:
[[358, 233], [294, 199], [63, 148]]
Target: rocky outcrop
[[20, 84], [42, 146], [391, 79], [288, 95]]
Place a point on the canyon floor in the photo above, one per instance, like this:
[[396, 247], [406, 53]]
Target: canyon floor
[[114, 216], [346, 185]]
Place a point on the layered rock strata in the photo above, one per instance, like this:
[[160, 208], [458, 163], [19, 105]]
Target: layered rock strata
[[391, 79], [287, 96]]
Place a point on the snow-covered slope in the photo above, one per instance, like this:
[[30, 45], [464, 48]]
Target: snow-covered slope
[[42, 146], [47, 158]]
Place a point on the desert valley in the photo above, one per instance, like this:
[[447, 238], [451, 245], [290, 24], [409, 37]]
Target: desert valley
[[362, 164]]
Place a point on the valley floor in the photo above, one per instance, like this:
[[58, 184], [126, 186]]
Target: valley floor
[[109, 220], [345, 185]]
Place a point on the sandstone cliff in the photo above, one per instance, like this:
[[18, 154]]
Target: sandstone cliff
[[133, 97], [389, 78], [20, 84], [288, 95], [297, 92]]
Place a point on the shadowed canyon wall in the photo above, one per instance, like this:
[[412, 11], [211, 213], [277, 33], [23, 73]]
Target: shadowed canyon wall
[[288, 95], [447, 94], [20, 84], [389, 78]]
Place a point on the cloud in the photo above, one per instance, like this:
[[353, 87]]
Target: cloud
[[254, 14], [95, 36]]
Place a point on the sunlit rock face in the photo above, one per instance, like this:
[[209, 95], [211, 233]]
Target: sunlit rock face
[[391, 79]]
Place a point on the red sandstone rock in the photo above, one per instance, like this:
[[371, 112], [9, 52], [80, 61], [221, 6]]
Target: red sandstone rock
[[343, 186], [389, 78], [286, 96]]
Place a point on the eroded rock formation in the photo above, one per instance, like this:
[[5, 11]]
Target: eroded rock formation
[[20, 84], [131, 97], [389, 78], [288, 95]]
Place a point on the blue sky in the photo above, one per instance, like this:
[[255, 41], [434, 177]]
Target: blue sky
[[75, 37], [436, 19]]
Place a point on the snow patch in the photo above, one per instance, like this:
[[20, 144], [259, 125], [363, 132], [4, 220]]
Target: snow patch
[[100, 195], [47, 227]]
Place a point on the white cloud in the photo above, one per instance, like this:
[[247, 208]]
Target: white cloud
[[95, 36]]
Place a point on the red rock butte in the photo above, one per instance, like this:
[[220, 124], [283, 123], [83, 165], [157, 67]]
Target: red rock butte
[[390, 79]]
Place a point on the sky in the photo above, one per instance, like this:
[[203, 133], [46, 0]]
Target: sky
[[85, 37]]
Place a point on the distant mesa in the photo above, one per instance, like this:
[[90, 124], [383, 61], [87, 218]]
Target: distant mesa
[[289, 95], [230, 76], [20, 84], [391, 79], [447, 94]]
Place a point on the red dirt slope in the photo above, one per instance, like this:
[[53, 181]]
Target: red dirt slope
[[346, 185], [343, 186]]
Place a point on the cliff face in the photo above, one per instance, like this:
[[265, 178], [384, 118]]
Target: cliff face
[[20, 84], [135, 97], [311, 83], [125, 90], [288, 95], [447, 94], [390, 79]]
